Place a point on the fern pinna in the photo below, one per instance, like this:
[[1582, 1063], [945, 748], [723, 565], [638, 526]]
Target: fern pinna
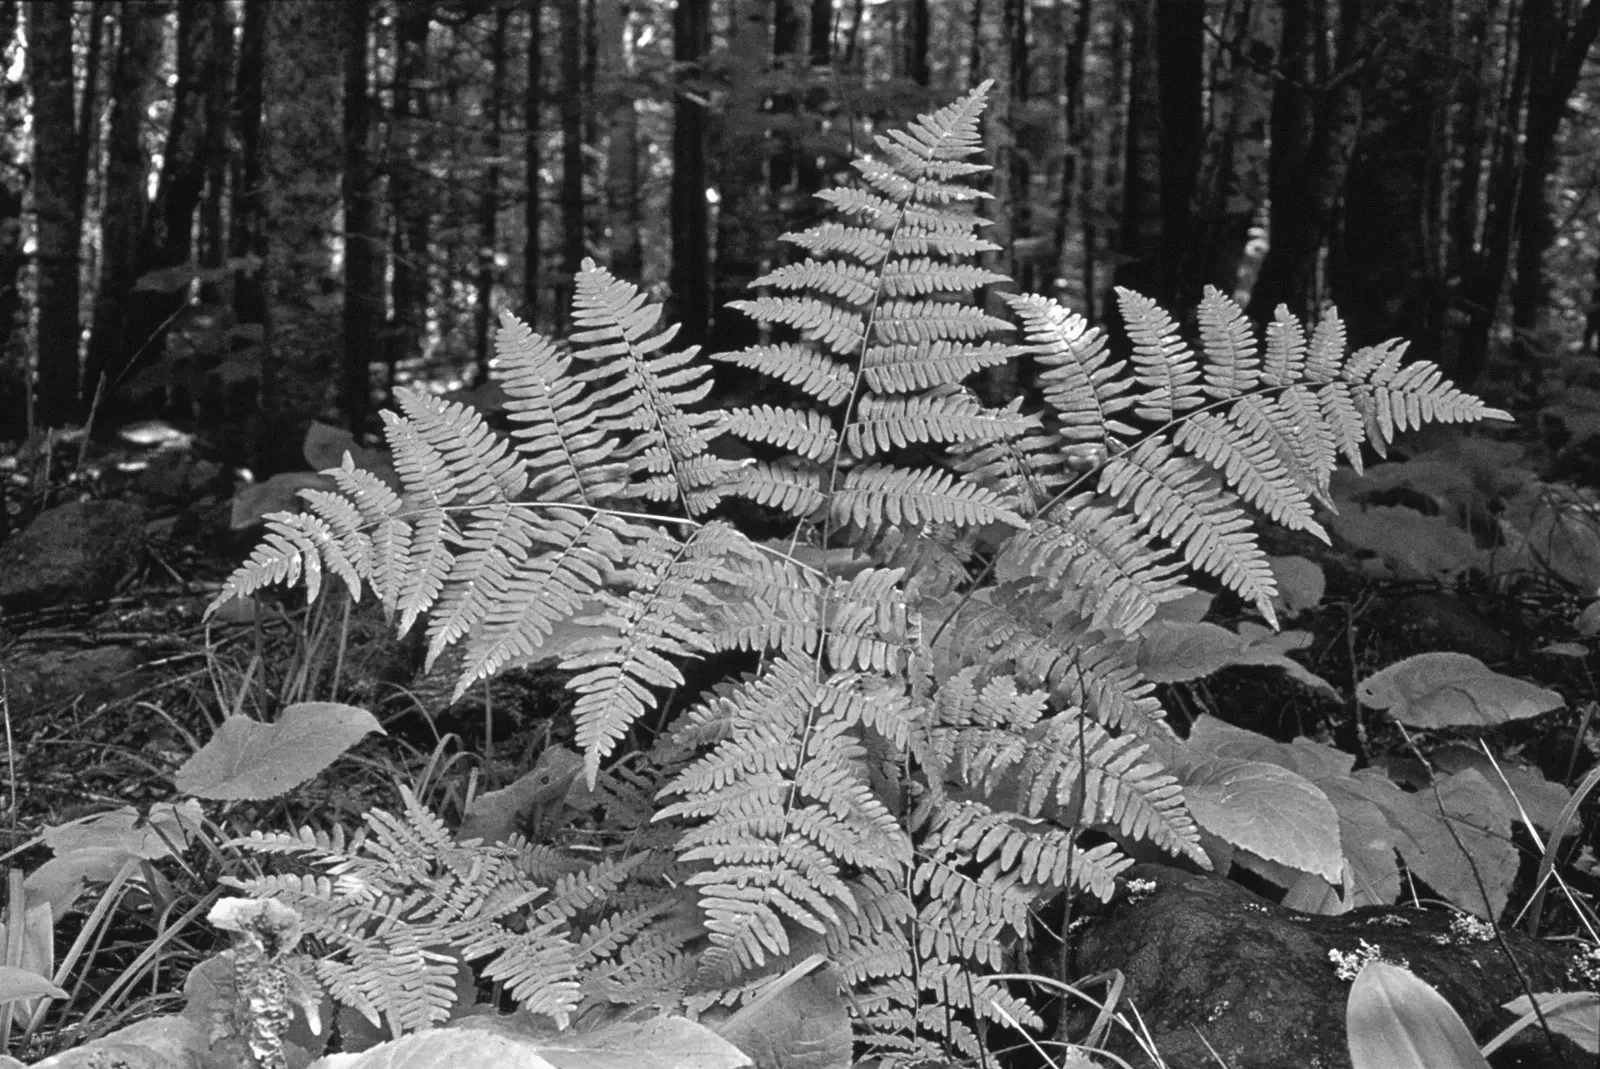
[[949, 696]]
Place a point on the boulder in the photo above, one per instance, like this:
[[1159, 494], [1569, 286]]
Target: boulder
[[1211, 966], [74, 552], [41, 680]]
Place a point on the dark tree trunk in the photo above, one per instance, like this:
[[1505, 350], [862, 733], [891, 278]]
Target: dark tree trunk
[[1518, 185], [114, 343], [1180, 30], [169, 238], [533, 107], [89, 106], [1077, 164], [1314, 130], [691, 250], [622, 143], [248, 236], [55, 180], [740, 150], [918, 28], [217, 75], [408, 184], [572, 215], [1139, 240], [363, 261], [489, 205]]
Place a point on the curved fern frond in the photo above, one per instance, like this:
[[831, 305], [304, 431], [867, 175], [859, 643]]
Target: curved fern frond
[[925, 365], [887, 423], [804, 432], [1285, 359], [823, 378], [1085, 389]]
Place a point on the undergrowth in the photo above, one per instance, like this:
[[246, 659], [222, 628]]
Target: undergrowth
[[950, 725]]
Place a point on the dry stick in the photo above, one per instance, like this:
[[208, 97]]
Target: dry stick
[[1483, 892]]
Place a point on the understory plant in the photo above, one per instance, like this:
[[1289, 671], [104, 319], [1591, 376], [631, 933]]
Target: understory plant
[[947, 726]]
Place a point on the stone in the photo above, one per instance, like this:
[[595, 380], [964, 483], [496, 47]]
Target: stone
[[1212, 966], [74, 552]]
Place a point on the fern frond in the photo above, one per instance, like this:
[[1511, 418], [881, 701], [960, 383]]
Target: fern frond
[[867, 245], [569, 457], [928, 364], [670, 593], [881, 424], [910, 322], [1085, 389], [294, 546], [923, 276], [823, 378], [1326, 354], [652, 401], [852, 283], [1162, 363], [1252, 467], [481, 467], [874, 495], [1170, 496], [1285, 359], [836, 329], [1232, 365], [1095, 558], [804, 432]]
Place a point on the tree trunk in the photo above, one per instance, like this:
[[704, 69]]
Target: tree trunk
[[1384, 272], [532, 108], [113, 343], [743, 227], [247, 233], [1180, 39], [1233, 179], [363, 260], [489, 205], [217, 73], [691, 251], [55, 178], [572, 216], [1077, 164], [1139, 240], [1314, 129], [918, 23], [408, 179], [1523, 170], [622, 141]]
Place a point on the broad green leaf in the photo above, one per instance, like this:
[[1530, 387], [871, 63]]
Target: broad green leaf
[[151, 835], [249, 760], [1395, 1021], [1301, 585], [1438, 690], [1267, 810], [1174, 652]]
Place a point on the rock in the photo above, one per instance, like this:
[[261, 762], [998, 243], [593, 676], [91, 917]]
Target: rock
[[1210, 965], [74, 552], [38, 679]]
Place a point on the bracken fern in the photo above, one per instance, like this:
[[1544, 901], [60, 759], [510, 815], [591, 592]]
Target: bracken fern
[[948, 697]]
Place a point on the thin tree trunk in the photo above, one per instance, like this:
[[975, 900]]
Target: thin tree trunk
[[217, 75], [89, 106], [113, 344], [740, 152], [363, 267], [55, 177], [407, 184], [1140, 236], [919, 21], [248, 218], [12, 256], [691, 251], [489, 205], [1180, 38], [572, 215], [533, 153], [622, 142]]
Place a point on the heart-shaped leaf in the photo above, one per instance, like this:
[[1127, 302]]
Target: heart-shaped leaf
[[1437, 690], [249, 760]]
